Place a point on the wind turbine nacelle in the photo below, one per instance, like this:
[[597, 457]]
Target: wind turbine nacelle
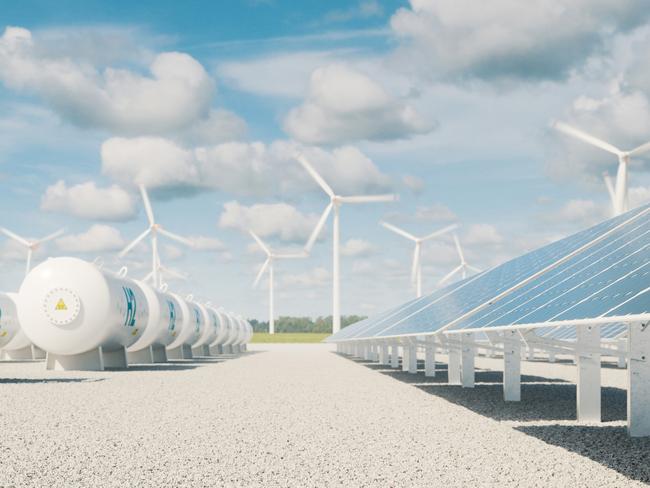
[[10, 330], [68, 306], [210, 328], [193, 324], [165, 319]]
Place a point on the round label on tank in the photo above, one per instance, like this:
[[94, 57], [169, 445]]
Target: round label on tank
[[62, 306]]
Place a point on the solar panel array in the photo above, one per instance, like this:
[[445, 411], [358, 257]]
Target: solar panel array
[[601, 271]]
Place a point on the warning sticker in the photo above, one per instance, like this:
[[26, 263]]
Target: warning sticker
[[60, 305]]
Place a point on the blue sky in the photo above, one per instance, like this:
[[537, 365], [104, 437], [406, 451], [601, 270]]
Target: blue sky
[[447, 104]]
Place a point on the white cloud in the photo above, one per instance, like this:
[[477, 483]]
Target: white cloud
[[268, 220], [436, 212], [314, 277], [203, 243], [237, 167], [413, 183], [176, 93], [345, 105], [87, 201], [536, 39], [638, 195], [482, 234], [98, 238], [581, 213], [356, 247]]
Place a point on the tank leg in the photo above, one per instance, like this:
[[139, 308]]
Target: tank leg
[[227, 349], [18, 354], [159, 354], [115, 359], [187, 351], [86, 361], [219, 349], [38, 353], [175, 353], [143, 356]]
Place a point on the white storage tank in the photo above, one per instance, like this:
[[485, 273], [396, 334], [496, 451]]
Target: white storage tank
[[216, 347], [164, 325], [228, 345], [9, 325], [208, 333], [190, 333], [83, 317]]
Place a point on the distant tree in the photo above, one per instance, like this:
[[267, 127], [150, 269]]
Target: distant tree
[[304, 324]]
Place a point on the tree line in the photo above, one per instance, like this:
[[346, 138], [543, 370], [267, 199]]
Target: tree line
[[304, 324]]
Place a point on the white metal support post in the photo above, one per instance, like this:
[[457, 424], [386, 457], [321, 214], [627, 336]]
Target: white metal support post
[[638, 383], [588, 392], [430, 356], [367, 351], [467, 362], [622, 346], [394, 355], [383, 353], [453, 363], [413, 356], [405, 356], [511, 366]]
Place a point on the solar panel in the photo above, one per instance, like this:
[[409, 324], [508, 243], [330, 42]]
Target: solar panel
[[467, 305]]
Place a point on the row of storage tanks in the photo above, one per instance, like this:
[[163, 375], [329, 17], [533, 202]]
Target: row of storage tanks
[[87, 318]]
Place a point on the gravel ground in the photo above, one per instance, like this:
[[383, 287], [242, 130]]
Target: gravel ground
[[300, 415]]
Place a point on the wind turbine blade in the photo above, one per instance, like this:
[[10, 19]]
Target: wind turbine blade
[[176, 237], [414, 266], [291, 255], [134, 243], [260, 242], [369, 198], [319, 226], [173, 273], [449, 275], [147, 204], [459, 249], [15, 237], [318, 178], [399, 231], [261, 272], [148, 277], [440, 232], [640, 150], [473, 268], [610, 188], [588, 138], [53, 235]]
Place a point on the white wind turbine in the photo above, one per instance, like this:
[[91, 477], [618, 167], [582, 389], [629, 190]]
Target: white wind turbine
[[268, 264], [462, 268], [416, 268], [31, 245], [335, 203], [617, 192], [153, 230]]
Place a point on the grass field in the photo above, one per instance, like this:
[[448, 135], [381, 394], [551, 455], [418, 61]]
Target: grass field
[[293, 337]]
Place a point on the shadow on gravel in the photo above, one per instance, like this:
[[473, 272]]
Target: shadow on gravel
[[609, 446], [30, 381], [543, 399]]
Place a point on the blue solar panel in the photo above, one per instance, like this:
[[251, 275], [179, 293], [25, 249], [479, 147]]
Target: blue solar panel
[[446, 306]]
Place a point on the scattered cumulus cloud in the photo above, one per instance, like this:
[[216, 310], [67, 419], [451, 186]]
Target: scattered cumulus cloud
[[345, 105], [436, 212], [482, 234], [314, 277], [98, 238], [356, 248], [87, 201]]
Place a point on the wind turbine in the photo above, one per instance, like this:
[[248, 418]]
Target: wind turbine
[[335, 203], [416, 269], [618, 192], [162, 271], [153, 230], [31, 245], [268, 264], [462, 267]]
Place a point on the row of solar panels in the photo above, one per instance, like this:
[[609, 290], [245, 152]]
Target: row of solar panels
[[598, 274]]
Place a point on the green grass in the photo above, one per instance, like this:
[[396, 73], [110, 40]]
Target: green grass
[[261, 337]]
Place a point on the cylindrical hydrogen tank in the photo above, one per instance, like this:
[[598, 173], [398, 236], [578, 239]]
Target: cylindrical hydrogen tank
[[233, 329], [209, 326], [224, 327], [68, 306], [9, 324], [192, 322], [165, 319]]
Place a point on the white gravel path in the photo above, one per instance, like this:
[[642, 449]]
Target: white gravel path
[[300, 415]]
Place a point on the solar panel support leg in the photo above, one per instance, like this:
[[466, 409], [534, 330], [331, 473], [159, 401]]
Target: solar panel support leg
[[638, 380], [467, 360], [551, 356], [622, 346], [405, 357], [413, 357], [430, 356], [588, 392], [383, 353], [367, 351], [511, 366], [394, 355], [453, 365]]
